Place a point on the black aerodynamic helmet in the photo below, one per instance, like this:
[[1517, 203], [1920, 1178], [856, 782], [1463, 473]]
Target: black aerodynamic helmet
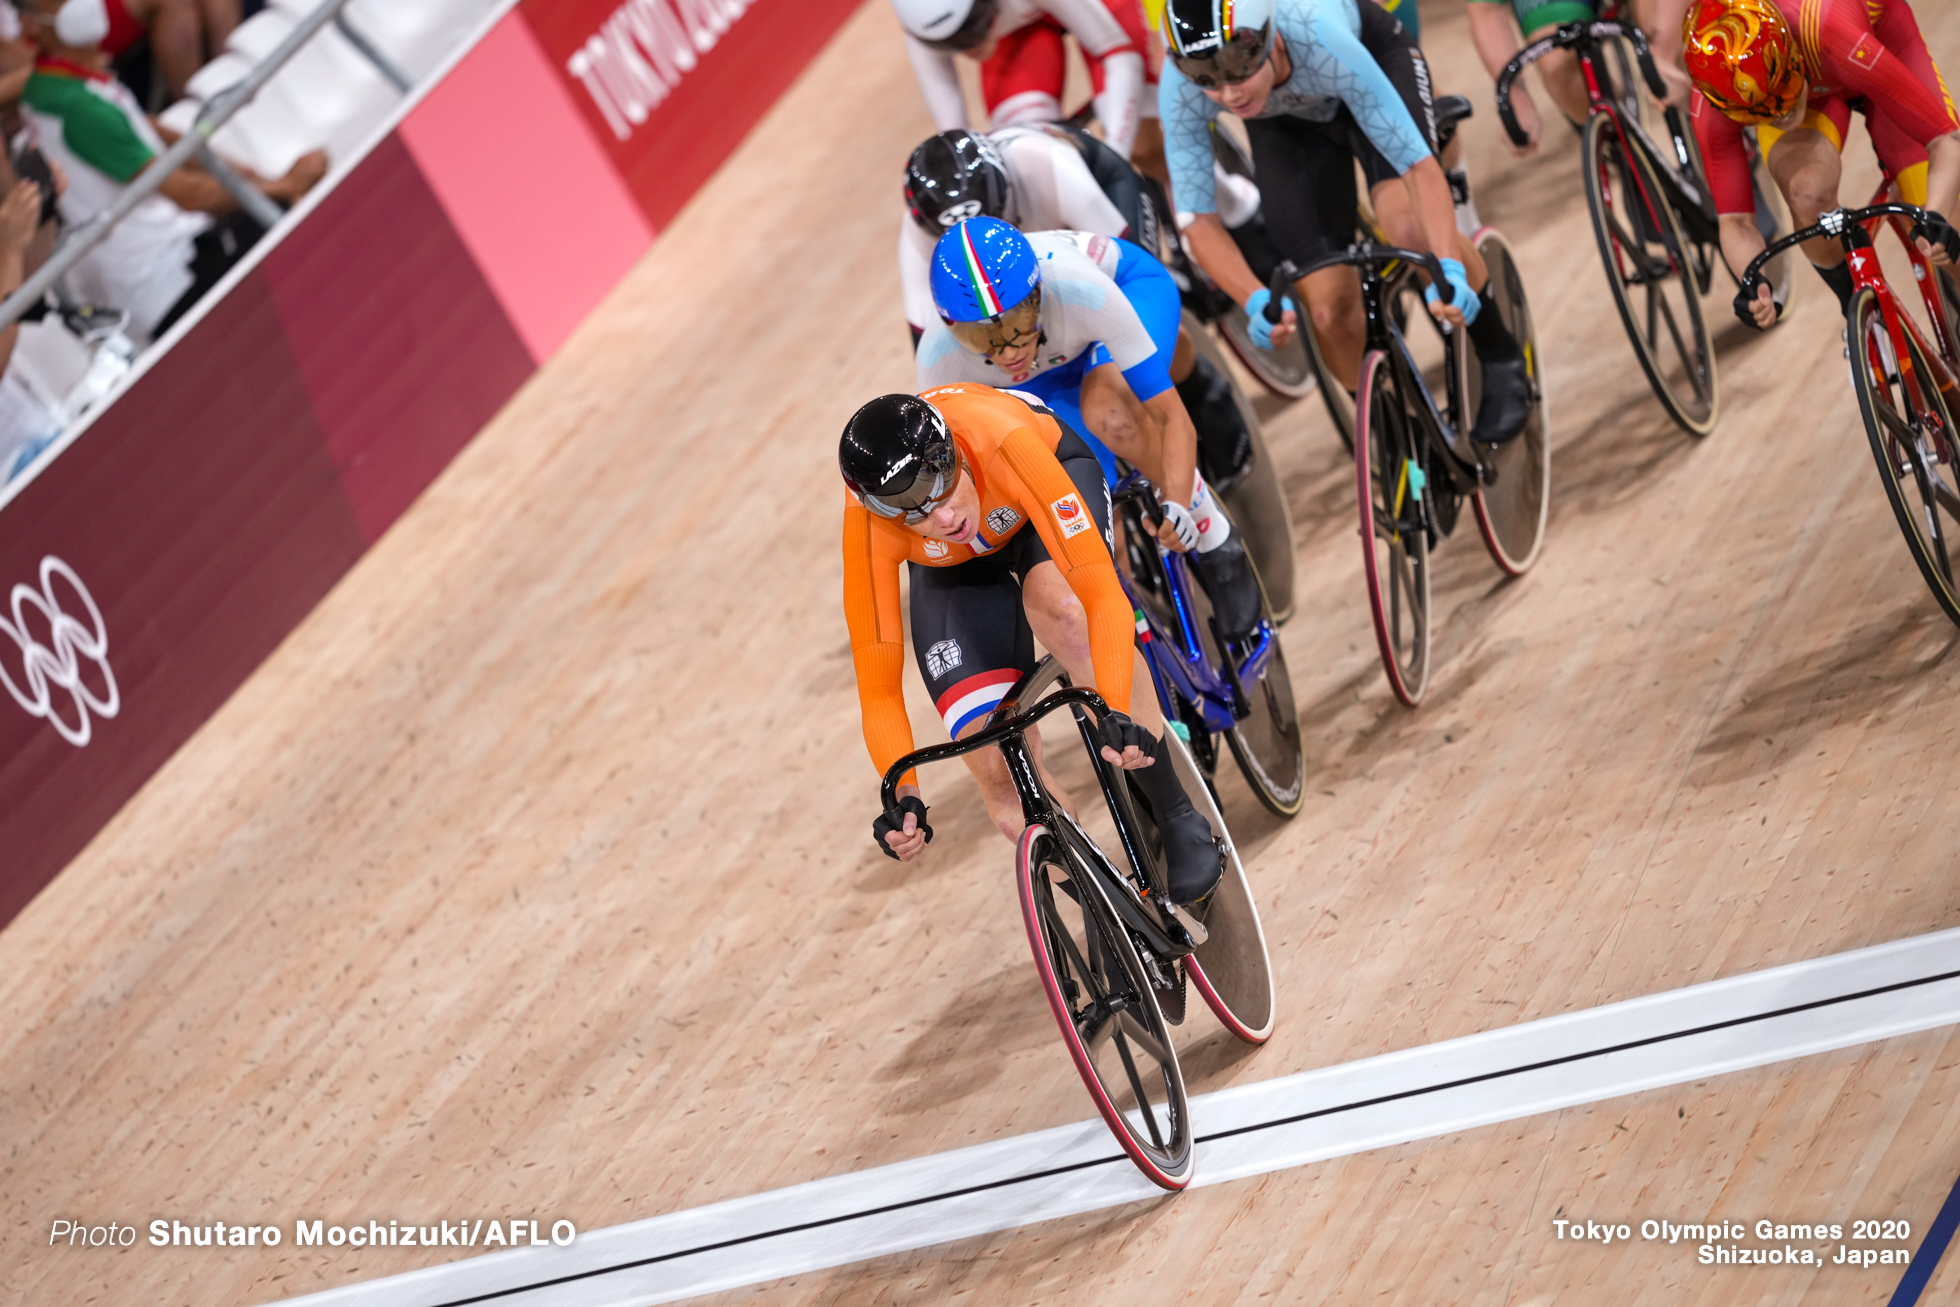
[[898, 457], [954, 26], [1217, 42], [954, 176]]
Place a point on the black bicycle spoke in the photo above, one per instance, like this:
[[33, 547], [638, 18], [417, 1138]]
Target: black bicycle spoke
[[1139, 1032], [1143, 1099]]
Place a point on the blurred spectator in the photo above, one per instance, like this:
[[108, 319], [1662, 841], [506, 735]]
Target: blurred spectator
[[27, 426], [182, 35], [16, 64], [166, 253]]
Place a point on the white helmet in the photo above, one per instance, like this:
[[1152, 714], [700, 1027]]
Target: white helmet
[[954, 26]]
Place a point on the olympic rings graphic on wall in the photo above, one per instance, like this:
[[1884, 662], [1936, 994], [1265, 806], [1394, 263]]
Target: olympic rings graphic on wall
[[53, 672]]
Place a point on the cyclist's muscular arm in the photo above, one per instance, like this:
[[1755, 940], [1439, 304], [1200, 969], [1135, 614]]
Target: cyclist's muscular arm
[[871, 609], [1083, 559], [1942, 186], [1742, 241], [1180, 448], [939, 83], [1494, 32], [1219, 255]]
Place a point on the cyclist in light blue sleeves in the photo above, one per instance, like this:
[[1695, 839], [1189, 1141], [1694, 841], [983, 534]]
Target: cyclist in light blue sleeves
[[1321, 85]]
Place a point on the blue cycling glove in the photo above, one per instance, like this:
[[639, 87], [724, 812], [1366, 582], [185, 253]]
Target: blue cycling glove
[[1255, 312], [1463, 297]]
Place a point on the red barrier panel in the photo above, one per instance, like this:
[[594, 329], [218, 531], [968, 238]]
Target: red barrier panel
[[203, 519], [671, 86], [153, 565]]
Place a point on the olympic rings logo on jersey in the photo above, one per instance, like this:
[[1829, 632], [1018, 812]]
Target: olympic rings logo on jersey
[[56, 669]]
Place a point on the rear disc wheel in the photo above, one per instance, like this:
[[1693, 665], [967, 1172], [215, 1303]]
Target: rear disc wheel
[[1513, 505]]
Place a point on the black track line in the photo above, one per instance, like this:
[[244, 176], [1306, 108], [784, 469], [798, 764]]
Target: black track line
[[1222, 1134]]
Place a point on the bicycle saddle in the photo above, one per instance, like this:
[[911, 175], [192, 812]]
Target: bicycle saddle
[[1451, 110]]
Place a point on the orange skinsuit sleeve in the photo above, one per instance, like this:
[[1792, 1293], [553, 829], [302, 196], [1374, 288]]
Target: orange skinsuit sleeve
[[877, 640], [1083, 559]]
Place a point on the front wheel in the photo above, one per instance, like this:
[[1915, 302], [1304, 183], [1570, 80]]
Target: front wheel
[[1912, 437], [1103, 1003], [1515, 499], [1390, 482], [1648, 271]]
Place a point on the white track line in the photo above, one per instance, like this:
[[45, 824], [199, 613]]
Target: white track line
[[1520, 1071]]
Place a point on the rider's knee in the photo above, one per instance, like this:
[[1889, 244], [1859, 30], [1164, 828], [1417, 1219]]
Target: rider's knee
[[1335, 313], [1811, 193]]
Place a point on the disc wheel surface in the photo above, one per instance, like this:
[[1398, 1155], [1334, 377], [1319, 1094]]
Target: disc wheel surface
[[1288, 371], [1232, 970], [1389, 482], [1103, 1004], [1650, 273], [1255, 501], [1512, 506], [1913, 440]]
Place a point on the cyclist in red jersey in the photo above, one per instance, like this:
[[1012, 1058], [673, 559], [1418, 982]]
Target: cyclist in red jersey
[[1018, 45], [1795, 69]]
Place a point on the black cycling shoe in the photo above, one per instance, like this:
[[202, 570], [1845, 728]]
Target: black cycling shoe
[[1197, 859], [1234, 590], [1224, 443], [1506, 406]]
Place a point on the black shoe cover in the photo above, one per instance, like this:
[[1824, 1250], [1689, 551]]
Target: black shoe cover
[[1506, 405], [1224, 444], [1197, 862], [1234, 591]]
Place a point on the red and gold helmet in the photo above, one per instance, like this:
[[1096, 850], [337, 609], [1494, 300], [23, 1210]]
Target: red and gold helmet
[[1743, 57]]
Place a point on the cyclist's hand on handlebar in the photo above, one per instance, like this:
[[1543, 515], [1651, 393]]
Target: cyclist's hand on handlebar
[[1270, 335], [1755, 306], [1525, 110], [1937, 240], [1463, 305], [1125, 743], [907, 837], [1178, 532]]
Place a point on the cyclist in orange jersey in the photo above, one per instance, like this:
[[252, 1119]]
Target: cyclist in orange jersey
[[1795, 69], [950, 483]]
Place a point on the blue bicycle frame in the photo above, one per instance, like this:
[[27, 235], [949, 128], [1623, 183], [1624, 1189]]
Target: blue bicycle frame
[[1178, 662]]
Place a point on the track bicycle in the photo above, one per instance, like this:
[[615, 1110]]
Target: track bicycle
[[1414, 461], [1209, 689], [1113, 956], [1302, 354], [1652, 214], [1252, 492], [1905, 384]]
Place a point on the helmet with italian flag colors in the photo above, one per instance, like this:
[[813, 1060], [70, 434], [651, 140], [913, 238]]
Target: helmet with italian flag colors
[[986, 283], [1743, 57]]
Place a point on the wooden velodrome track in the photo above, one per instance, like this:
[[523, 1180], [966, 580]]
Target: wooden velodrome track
[[534, 867]]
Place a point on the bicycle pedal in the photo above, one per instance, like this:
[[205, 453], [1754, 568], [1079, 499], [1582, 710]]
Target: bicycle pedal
[[1192, 926]]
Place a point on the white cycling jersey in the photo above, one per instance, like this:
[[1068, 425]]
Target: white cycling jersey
[[1050, 188], [1081, 307], [1119, 106]]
